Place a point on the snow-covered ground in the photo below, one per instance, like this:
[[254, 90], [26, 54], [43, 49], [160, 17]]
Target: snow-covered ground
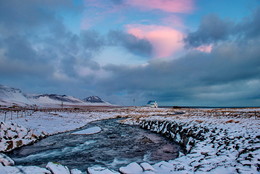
[[230, 140]]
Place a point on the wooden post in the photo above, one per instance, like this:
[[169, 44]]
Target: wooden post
[[5, 117]]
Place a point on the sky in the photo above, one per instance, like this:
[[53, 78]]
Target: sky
[[177, 52]]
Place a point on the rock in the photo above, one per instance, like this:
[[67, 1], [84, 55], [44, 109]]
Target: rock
[[9, 170], [23, 170], [132, 168], [33, 170], [147, 167], [100, 170], [75, 171], [57, 168], [10, 145], [5, 160], [19, 143]]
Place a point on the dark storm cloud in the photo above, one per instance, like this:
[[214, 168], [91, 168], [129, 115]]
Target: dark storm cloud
[[131, 43], [250, 27], [35, 43], [16, 15], [213, 29]]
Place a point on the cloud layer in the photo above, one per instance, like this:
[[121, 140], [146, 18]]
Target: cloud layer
[[173, 6], [221, 65]]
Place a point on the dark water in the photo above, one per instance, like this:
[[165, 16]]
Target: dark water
[[115, 146]]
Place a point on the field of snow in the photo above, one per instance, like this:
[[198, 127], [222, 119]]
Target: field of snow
[[216, 140]]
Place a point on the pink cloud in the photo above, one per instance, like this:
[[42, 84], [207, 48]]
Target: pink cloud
[[204, 48], [174, 6], [165, 40]]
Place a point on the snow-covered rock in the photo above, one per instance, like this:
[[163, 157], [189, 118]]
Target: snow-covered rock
[[75, 171], [33, 170], [132, 168], [100, 170], [147, 167], [13, 135], [23, 170], [57, 168], [5, 160]]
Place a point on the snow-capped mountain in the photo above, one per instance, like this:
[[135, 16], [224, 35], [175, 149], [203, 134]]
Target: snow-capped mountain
[[93, 99], [12, 96], [55, 99]]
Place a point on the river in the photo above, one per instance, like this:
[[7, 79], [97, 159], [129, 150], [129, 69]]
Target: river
[[115, 146]]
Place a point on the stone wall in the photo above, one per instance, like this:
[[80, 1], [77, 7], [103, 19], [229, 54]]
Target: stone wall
[[181, 133], [210, 146]]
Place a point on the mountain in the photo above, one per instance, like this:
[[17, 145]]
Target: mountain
[[12, 96], [93, 99], [55, 99]]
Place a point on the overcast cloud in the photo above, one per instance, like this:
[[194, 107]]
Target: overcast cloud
[[40, 54]]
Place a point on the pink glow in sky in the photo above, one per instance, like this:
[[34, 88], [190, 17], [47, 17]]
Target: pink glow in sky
[[204, 48], [165, 40], [173, 6]]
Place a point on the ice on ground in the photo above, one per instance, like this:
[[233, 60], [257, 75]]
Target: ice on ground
[[92, 130]]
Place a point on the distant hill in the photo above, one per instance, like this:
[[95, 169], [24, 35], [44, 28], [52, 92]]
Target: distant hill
[[93, 99], [12, 96]]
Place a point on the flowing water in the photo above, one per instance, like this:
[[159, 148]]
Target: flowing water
[[115, 146]]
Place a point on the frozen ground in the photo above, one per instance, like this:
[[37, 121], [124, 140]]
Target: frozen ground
[[230, 138]]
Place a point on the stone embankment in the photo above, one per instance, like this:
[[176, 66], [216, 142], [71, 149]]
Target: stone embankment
[[13, 136], [211, 146]]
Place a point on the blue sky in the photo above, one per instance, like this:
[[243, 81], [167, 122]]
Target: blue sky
[[188, 52]]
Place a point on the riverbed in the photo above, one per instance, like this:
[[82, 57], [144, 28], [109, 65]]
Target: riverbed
[[114, 146]]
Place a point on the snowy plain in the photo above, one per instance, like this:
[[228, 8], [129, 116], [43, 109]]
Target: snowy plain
[[240, 126]]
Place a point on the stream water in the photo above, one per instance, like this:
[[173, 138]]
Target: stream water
[[115, 146]]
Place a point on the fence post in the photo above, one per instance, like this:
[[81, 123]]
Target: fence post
[[5, 117]]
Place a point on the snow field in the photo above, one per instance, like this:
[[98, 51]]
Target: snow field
[[216, 141]]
